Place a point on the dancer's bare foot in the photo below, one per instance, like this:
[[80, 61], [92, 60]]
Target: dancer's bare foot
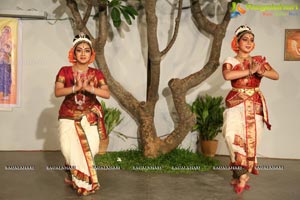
[[234, 181], [242, 184]]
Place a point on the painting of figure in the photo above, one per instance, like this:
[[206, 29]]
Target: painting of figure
[[8, 62], [292, 45]]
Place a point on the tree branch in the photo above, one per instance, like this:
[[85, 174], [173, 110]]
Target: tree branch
[[201, 21], [126, 99], [214, 56], [80, 24], [179, 87], [177, 22], [102, 28], [153, 52], [87, 12]]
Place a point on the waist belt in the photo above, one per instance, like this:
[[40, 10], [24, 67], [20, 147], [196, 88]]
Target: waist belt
[[248, 91]]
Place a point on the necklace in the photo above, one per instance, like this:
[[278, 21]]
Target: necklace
[[244, 61], [80, 102], [243, 58], [83, 70]]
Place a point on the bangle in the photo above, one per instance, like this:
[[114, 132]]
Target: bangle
[[93, 90], [73, 89]]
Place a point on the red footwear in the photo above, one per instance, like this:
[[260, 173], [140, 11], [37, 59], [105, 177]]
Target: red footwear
[[255, 171], [234, 182], [239, 189], [68, 181], [246, 187]]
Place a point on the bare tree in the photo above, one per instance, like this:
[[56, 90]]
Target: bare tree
[[143, 111]]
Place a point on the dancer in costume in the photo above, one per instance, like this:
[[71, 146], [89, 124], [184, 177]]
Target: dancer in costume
[[81, 124], [246, 110]]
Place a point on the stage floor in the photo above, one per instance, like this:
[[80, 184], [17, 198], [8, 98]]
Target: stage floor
[[279, 180]]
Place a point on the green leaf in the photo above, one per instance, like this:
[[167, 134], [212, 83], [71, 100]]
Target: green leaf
[[130, 10], [103, 106], [116, 17], [209, 116], [111, 117], [117, 23], [115, 14], [114, 3], [126, 16]]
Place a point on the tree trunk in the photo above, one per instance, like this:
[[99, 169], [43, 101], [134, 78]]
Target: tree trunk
[[143, 111]]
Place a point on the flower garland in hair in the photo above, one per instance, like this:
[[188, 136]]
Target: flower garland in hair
[[71, 56], [234, 44]]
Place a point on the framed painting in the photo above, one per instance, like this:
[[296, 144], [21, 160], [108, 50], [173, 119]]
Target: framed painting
[[292, 45], [9, 62]]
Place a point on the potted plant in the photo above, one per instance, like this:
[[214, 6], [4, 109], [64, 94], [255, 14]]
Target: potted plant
[[112, 118], [209, 115]]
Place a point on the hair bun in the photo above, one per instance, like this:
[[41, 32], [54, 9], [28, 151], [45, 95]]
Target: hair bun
[[242, 29], [81, 37]]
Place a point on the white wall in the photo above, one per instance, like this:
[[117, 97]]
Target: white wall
[[33, 126]]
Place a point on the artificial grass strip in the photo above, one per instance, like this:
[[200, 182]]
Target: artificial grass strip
[[177, 161]]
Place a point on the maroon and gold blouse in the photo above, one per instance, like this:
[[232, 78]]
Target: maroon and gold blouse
[[80, 103], [252, 81], [245, 82]]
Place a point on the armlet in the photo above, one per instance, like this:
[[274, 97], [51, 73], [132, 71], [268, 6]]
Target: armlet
[[101, 83], [60, 79], [227, 66], [267, 66]]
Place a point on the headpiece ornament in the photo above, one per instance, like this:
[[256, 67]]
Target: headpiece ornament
[[242, 29], [81, 37]]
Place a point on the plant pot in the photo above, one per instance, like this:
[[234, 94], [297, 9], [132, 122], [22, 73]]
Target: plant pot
[[209, 147], [103, 146]]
